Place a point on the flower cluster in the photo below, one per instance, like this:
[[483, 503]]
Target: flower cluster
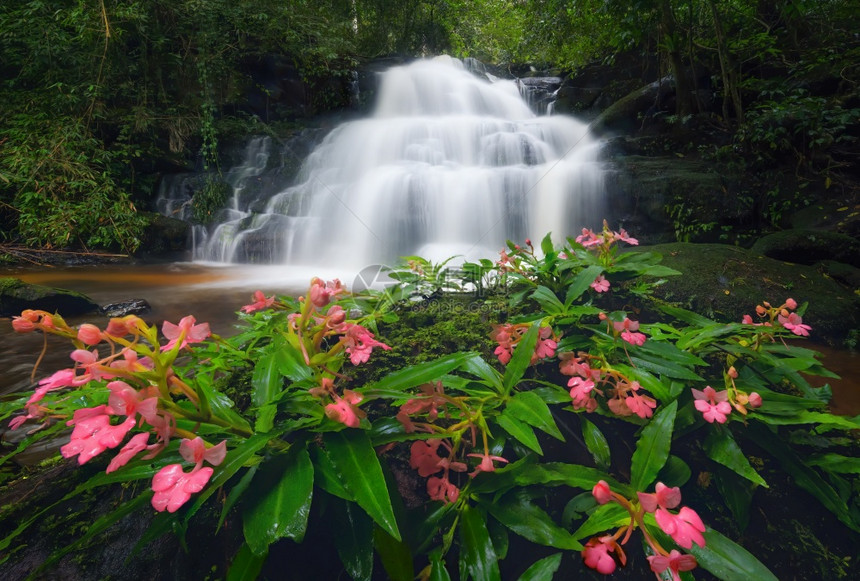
[[509, 335], [716, 406], [424, 455], [769, 315], [604, 553], [623, 396], [144, 394]]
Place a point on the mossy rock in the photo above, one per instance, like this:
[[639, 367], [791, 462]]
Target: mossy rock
[[165, 236], [726, 282], [17, 295], [809, 247]]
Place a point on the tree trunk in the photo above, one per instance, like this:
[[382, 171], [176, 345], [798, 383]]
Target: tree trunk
[[683, 94], [731, 92]]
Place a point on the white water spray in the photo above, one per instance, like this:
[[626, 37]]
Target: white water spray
[[448, 164]]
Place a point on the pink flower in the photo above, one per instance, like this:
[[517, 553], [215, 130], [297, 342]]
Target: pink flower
[[637, 339], [624, 237], [627, 328], [601, 492], [545, 346], [60, 379], [588, 238], [173, 487], [322, 292], [641, 405], [580, 391], [136, 444], [120, 327], [423, 457], [685, 528], [663, 497], [186, 332], [440, 488], [674, 561], [486, 464], [93, 433], [124, 400], [747, 320], [196, 451], [344, 409], [600, 284], [794, 323], [359, 343], [714, 405], [596, 554], [260, 302]]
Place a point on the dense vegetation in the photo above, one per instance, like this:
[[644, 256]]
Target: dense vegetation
[[101, 96]]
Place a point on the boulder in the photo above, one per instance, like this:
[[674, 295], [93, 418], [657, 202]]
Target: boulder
[[127, 307], [17, 295]]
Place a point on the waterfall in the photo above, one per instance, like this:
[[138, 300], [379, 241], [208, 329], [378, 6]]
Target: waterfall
[[447, 164]]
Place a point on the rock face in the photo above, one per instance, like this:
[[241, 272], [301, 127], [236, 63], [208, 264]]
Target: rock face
[[16, 295]]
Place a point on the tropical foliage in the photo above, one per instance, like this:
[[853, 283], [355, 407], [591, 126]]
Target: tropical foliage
[[583, 427]]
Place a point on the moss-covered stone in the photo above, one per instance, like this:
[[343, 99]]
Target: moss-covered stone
[[803, 246], [726, 282], [17, 295]]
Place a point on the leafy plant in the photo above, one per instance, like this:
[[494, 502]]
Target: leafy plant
[[587, 351]]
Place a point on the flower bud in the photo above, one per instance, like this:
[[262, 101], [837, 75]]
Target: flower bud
[[22, 325], [760, 310], [790, 304], [754, 400], [601, 492], [89, 334], [732, 372], [602, 316]]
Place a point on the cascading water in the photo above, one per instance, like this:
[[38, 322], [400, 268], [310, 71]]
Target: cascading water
[[448, 164]]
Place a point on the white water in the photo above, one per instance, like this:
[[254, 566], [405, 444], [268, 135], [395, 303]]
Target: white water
[[447, 164]]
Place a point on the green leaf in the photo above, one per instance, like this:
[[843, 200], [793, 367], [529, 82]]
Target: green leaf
[[605, 517], [581, 283], [737, 492], [355, 461], [266, 380], [805, 477], [652, 448], [806, 417], [438, 572], [395, 556], [477, 556], [721, 447], [547, 301], [663, 367], [542, 570], [246, 565], [521, 358], [519, 430], [354, 539], [546, 244], [235, 493], [729, 561], [596, 443], [476, 366], [676, 472], [686, 316], [836, 463], [417, 374], [326, 476], [279, 500], [221, 405], [528, 407], [517, 512]]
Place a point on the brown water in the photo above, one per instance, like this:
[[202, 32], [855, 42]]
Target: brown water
[[214, 294]]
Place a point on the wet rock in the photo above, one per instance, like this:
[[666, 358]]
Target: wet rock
[[124, 308], [165, 236], [17, 295]]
